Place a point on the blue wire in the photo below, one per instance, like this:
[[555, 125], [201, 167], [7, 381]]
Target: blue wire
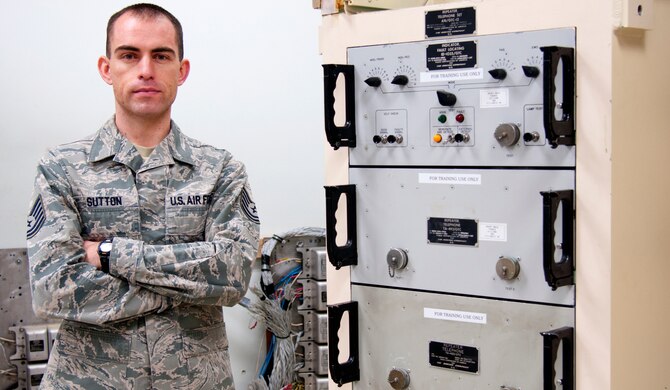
[[267, 357]]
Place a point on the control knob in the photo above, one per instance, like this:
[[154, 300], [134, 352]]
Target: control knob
[[373, 81], [399, 378], [508, 268], [507, 134], [396, 259], [400, 80], [531, 71], [446, 98], [498, 74]]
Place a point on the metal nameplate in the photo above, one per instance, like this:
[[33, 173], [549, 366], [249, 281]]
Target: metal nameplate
[[451, 22], [452, 231], [454, 357]]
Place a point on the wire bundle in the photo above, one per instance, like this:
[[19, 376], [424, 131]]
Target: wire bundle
[[273, 309]]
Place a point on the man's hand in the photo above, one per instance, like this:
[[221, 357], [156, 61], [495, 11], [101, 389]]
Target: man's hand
[[92, 257]]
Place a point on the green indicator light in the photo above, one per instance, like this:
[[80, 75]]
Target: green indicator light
[[442, 118]]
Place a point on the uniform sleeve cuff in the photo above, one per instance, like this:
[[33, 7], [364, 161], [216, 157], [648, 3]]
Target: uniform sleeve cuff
[[124, 257]]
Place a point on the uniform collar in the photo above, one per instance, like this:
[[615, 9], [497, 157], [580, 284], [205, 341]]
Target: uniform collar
[[109, 142]]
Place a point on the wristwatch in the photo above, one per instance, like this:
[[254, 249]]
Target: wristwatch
[[104, 249]]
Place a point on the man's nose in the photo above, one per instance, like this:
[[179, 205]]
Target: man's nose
[[146, 68]]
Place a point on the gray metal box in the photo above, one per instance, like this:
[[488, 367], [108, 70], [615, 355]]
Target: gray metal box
[[394, 207], [397, 328], [413, 114]]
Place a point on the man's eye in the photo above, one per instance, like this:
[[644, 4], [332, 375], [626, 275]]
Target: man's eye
[[127, 56], [162, 57]]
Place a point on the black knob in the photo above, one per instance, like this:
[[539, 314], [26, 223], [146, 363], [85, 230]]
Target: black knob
[[400, 80], [446, 98], [459, 137], [531, 71], [391, 139], [498, 74], [373, 81], [376, 139]]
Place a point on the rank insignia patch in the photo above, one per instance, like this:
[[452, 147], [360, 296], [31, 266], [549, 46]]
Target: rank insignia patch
[[249, 207], [36, 218]]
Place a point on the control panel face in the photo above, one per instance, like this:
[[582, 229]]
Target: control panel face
[[475, 101], [477, 232], [463, 206]]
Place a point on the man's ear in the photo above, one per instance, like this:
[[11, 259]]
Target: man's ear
[[104, 69], [184, 70]]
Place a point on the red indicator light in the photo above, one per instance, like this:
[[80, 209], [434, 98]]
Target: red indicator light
[[460, 118]]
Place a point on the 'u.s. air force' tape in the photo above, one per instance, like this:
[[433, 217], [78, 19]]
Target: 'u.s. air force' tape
[[249, 207], [36, 218]]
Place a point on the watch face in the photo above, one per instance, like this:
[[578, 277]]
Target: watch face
[[105, 247]]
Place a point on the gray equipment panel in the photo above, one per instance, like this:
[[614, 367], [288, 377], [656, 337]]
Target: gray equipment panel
[[397, 328], [18, 322], [393, 206], [413, 114]]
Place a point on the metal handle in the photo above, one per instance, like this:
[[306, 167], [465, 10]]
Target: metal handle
[[552, 340], [559, 273], [339, 135], [559, 132], [340, 256], [348, 371]]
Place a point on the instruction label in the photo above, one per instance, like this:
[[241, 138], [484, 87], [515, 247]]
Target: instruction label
[[452, 75], [450, 22], [494, 98], [454, 357], [451, 55], [452, 231], [493, 231], [454, 315], [450, 178]]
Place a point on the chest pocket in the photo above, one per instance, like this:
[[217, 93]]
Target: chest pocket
[[108, 214], [186, 215]]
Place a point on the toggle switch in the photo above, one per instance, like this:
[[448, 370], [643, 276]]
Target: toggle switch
[[498, 74], [400, 80], [446, 98], [531, 137], [373, 81]]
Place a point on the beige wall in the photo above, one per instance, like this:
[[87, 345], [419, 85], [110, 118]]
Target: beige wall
[[641, 206]]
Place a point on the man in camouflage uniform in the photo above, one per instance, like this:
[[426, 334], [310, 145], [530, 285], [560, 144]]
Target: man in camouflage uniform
[[144, 311]]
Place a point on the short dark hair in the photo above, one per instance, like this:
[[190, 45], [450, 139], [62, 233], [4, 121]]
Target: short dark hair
[[148, 11]]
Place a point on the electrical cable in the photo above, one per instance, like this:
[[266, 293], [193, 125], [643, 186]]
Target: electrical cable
[[275, 300]]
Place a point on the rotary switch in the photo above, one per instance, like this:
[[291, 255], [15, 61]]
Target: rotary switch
[[373, 81], [399, 378], [446, 98], [400, 80], [507, 134], [498, 74], [531, 71]]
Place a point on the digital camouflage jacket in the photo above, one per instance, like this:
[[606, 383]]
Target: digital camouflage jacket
[[185, 235]]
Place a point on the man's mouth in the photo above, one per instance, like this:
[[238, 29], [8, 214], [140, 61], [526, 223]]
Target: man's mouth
[[146, 90]]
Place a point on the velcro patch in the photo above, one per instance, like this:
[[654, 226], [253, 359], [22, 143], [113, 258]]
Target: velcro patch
[[249, 207], [36, 218]]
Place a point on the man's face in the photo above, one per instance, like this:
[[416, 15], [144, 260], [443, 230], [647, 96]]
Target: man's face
[[144, 67]]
